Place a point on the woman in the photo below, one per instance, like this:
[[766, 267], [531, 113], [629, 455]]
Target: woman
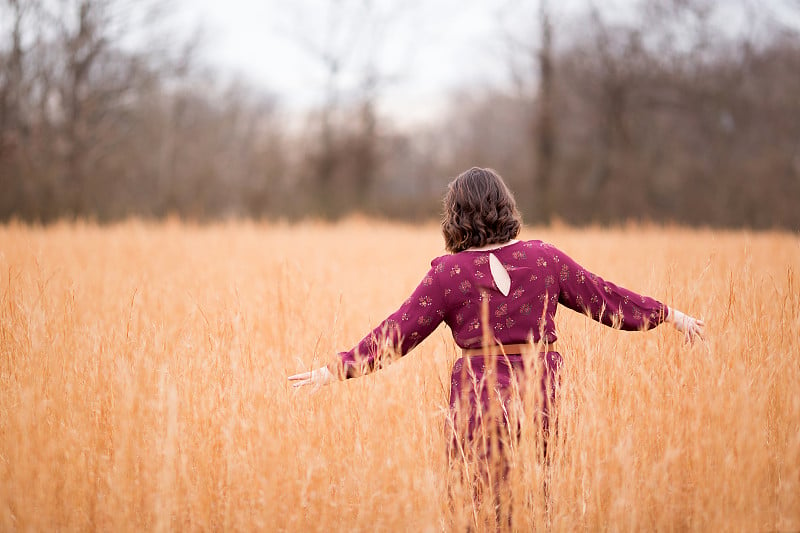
[[499, 297]]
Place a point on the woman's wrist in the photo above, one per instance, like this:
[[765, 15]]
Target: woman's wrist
[[336, 368]]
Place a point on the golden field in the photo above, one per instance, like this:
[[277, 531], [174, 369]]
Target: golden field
[[143, 384]]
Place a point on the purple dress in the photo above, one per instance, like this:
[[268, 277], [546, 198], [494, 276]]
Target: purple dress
[[459, 289]]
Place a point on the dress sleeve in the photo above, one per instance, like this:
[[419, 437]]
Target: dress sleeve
[[398, 334], [605, 302]]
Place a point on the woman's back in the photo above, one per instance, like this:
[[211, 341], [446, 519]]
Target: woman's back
[[514, 317]]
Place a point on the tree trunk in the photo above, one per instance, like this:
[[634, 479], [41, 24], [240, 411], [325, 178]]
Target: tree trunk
[[544, 130]]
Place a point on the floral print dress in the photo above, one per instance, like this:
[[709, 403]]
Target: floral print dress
[[459, 289]]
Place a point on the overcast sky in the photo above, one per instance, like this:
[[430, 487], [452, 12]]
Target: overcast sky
[[426, 48]]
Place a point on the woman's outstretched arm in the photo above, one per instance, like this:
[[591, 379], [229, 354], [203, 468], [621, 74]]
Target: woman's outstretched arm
[[616, 306], [397, 335]]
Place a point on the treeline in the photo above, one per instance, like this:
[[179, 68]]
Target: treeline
[[105, 114], [665, 115]]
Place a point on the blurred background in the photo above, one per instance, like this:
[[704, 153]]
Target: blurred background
[[684, 111]]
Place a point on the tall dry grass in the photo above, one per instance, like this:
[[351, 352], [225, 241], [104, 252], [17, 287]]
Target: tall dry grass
[[143, 384]]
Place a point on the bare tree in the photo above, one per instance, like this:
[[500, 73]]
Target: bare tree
[[20, 116], [536, 80], [11, 82], [544, 136], [345, 161]]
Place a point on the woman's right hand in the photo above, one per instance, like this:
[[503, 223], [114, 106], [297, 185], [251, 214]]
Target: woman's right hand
[[690, 327], [316, 378]]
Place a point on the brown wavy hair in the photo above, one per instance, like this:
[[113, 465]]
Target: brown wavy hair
[[479, 209]]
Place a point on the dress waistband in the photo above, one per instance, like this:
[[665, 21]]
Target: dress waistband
[[510, 349]]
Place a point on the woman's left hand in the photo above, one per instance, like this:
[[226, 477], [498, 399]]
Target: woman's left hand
[[688, 325], [317, 378]]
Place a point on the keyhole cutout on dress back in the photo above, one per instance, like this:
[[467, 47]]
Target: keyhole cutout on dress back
[[500, 275]]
